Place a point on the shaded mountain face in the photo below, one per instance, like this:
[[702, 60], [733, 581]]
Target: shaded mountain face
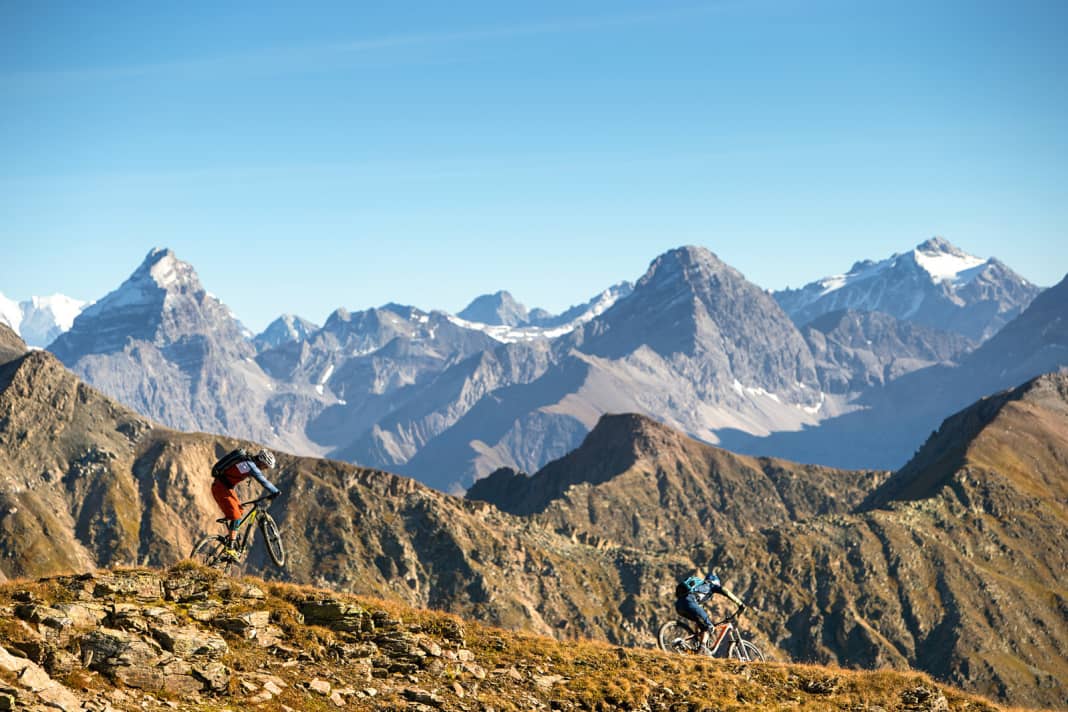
[[11, 346], [694, 345], [856, 351], [691, 304], [936, 285]]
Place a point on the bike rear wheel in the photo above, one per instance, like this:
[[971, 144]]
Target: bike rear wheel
[[675, 637], [211, 551], [273, 539], [746, 652]]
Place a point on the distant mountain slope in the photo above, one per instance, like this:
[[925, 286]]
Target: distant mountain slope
[[694, 345], [39, 320], [894, 418], [286, 329], [857, 351], [644, 485], [164, 346], [498, 309], [936, 284], [958, 559]]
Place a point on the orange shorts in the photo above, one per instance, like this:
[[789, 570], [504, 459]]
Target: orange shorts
[[227, 500]]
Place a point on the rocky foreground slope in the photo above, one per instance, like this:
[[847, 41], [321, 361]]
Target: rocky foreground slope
[[187, 638]]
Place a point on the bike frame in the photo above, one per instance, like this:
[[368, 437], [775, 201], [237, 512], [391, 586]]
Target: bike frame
[[251, 516], [723, 630]]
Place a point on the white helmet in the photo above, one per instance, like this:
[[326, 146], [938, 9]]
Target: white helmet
[[264, 458]]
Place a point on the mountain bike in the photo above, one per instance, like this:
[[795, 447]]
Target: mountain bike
[[211, 549], [679, 636]]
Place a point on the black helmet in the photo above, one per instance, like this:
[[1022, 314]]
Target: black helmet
[[264, 458]]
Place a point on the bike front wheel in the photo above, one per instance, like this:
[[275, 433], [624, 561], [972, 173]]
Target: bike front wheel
[[211, 551], [675, 637], [273, 539], [746, 652]]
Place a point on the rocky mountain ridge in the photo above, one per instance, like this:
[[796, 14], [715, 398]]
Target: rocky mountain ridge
[[447, 401], [186, 638]]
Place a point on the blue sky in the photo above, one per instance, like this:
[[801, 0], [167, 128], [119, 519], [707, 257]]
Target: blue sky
[[356, 153]]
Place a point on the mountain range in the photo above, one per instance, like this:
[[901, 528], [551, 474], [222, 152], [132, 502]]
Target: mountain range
[[448, 399], [39, 320], [936, 284], [950, 565]]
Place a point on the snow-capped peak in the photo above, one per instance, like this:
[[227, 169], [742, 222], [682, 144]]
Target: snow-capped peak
[[947, 263], [39, 320]]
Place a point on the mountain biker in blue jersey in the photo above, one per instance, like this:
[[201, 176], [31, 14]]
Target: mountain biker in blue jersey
[[691, 593]]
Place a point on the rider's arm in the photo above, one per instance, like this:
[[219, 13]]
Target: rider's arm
[[726, 592], [264, 482]]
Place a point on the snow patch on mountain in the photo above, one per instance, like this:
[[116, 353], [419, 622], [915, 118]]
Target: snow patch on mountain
[[550, 329], [39, 320]]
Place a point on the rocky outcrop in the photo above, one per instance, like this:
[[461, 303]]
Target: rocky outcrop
[[187, 638], [642, 484]]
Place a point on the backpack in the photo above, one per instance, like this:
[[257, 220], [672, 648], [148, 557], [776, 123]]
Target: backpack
[[687, 586], [229, 460]]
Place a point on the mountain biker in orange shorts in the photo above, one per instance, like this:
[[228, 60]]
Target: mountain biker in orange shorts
[[692, 592], [222, 489]]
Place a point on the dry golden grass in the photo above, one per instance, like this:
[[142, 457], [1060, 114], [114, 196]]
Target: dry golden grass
[[526, 671]]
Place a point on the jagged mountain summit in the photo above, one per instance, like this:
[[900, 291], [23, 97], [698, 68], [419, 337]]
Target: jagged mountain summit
[[694, 345], [39, 320], [498, 309], [164, 346], [286, 329], [936, 284]]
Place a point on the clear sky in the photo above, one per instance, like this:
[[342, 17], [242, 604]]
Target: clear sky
[[306, 156]]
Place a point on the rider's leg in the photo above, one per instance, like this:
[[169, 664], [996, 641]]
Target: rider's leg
[[691, 609], [231, 509]]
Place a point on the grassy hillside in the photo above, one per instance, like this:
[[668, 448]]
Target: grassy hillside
[[187, 638]]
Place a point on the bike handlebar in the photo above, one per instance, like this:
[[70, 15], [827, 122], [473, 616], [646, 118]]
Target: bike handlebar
[[266, 498], [734, 615]]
